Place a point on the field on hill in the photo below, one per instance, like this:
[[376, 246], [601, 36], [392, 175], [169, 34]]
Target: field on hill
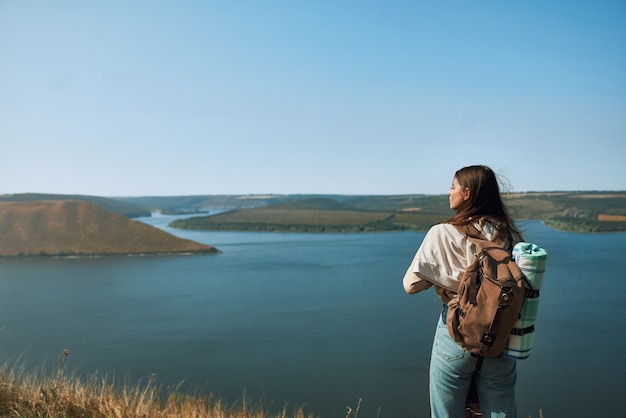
[[306, 215], [571, 211]]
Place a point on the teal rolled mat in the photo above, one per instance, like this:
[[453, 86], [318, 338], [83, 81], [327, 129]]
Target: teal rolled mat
[[531, 260]]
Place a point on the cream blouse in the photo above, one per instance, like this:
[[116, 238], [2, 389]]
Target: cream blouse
[[441, 260]]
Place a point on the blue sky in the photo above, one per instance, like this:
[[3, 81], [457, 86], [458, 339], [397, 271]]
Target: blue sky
[[130, 98]]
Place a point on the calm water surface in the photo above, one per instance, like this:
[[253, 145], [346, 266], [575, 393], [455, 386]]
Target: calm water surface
[[315, 319]]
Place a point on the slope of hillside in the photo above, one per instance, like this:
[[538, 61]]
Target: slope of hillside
[[128, 209], [309, 215], [82, 228]]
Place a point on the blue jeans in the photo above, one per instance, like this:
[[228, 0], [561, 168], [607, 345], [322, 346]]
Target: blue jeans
[[451, 369]]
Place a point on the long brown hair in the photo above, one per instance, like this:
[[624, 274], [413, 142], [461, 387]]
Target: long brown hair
[[485, 202]]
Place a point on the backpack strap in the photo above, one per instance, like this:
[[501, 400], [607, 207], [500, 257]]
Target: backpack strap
[[455, 324], [479, 255], [523, 331]]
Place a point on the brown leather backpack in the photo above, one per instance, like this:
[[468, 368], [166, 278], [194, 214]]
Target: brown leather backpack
[[489, 300]]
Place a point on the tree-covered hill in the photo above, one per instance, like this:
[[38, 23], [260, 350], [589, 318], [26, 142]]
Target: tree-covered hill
[[310, 215], [572, 211], [198, 203]]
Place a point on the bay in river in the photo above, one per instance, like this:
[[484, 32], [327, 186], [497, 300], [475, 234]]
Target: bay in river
[[319, 320]]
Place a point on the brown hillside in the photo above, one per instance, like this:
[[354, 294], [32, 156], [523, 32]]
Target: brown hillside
[[81, 228]]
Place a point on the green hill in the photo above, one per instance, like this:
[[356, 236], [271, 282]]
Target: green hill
[[310, 215], [571, 211], [82, 228], [128, 209], [306, 215], [173, 204]]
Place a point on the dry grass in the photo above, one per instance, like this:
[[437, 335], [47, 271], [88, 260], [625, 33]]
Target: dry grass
[[82, 228], [58, 395]]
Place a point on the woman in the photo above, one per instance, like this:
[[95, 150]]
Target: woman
[[440, 261]]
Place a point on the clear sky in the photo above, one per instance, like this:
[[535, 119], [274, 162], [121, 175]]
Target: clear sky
[[132, 98]]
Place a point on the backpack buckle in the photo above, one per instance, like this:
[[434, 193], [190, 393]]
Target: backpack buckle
[[487, 342], [505, 296]]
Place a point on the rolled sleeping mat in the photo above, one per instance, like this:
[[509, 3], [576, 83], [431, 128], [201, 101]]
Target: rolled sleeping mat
[[531, 260]]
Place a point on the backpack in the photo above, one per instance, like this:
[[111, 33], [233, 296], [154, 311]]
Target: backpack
[[488, 301]]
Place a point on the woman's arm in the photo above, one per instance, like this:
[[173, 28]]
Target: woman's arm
[[413, 283]]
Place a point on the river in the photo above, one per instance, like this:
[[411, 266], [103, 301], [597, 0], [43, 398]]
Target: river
[[319, 320]]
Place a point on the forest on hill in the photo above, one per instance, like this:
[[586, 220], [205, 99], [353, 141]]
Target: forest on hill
[[569, 211]]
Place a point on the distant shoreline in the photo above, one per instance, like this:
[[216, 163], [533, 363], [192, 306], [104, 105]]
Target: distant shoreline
[[112, 255]]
